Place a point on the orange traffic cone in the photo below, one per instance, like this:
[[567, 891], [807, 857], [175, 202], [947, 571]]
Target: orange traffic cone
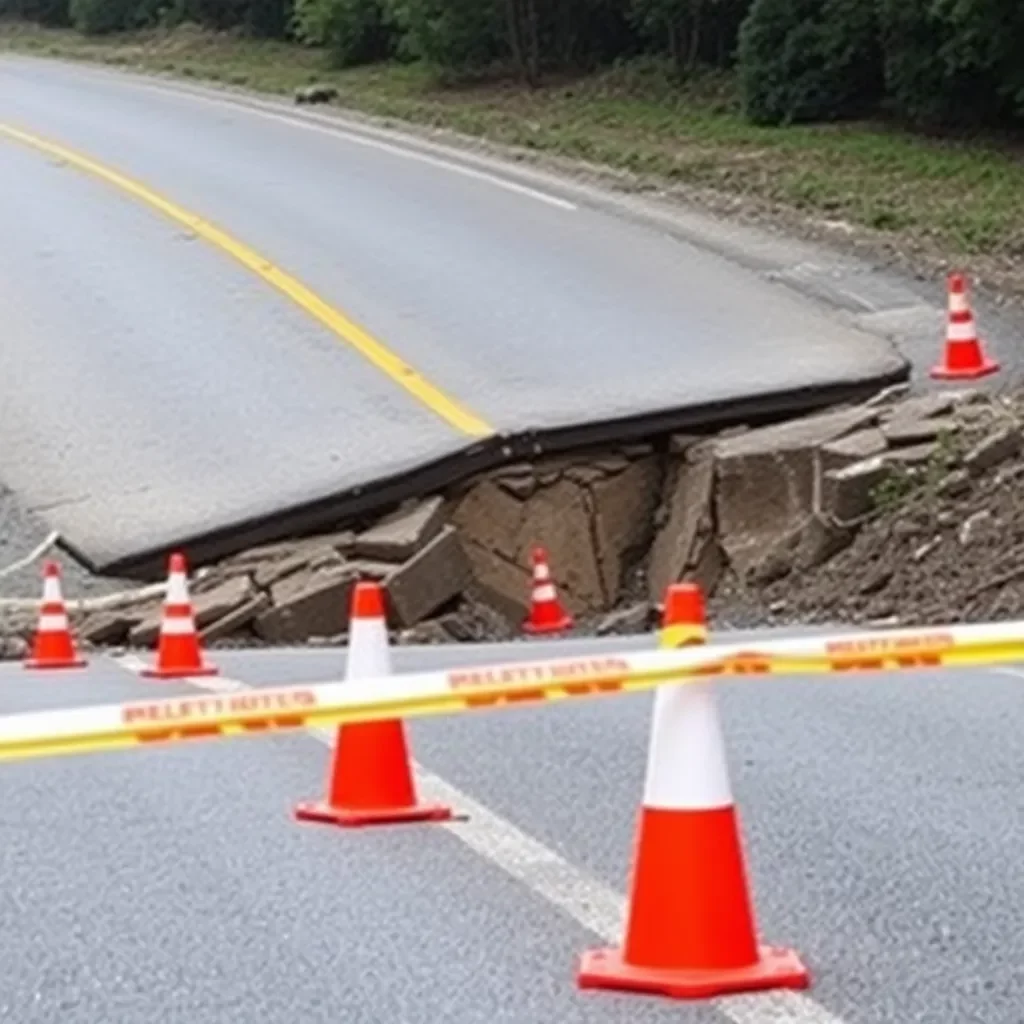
[[178, 652], [53, 646], [964, 357], [370, 781], [690, 931], [547, 615]]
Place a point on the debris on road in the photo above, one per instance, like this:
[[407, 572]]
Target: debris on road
[[316, 94], [900, 507]]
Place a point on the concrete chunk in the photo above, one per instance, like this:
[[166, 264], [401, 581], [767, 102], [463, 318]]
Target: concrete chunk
[[923, 407], [806, 432], [623, 506], [913, 455], [707, 563], [403, 533], [852, 448], [500, 531], [264, 553], [430, 579], [278, 569], [999, 446], [106, 627], [307, 605], [847, 493], [236, 619], [767, 479], [907, 431], [216, 603], [688, 507]]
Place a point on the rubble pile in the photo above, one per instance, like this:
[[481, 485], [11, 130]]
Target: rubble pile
[[900, 507]]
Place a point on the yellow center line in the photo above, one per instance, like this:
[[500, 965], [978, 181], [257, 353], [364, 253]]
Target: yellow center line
[[452, 412]]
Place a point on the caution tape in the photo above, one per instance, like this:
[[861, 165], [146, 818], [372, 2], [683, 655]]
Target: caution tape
[[304, 706]]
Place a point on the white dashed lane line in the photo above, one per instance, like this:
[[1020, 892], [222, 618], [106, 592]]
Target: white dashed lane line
[[588, 901]]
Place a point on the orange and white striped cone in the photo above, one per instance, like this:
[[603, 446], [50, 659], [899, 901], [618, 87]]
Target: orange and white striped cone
[[690, 931], [178, 652], [547, 614], [964, 355], [53, 646], [370, 780]]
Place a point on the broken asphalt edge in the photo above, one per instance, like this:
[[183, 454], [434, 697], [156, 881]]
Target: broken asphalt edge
[[492, 453]]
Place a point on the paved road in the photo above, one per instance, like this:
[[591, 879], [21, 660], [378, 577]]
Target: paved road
[[343, 311], [881, 816]]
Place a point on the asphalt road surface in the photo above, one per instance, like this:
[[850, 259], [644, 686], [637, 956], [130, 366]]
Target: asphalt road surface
[[216, 312], [881, 817], [163, 378]]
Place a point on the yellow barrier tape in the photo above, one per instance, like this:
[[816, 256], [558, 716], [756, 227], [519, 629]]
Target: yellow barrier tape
[[270, 711]]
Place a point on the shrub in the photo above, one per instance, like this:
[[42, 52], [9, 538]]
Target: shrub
[[452, 35], [99, 17], [809, 60], [353, 31], [954, 61]]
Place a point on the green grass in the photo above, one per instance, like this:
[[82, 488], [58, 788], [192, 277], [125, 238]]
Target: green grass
[[957, 199]]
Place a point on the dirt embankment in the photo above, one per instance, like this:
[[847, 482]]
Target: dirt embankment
[[901, 509]]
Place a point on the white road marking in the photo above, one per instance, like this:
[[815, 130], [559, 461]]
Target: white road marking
[[1016, 673], [587, 900], [326, 126], [408, 154]]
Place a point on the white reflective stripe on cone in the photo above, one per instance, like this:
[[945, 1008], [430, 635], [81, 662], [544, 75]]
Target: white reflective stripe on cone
[[545, 592], [177, 589], [541, 573], [961, 332], [53, 623], [369, 656], [686, 765], [177, 625], [51, 590], [958, 302]]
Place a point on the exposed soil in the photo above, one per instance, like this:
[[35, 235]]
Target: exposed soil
[[934, 559], [926, 557]]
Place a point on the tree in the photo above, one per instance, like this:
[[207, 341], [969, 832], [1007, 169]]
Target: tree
[[692, 31], [452, 35], [954, 61], [353, 31], [804, 60]]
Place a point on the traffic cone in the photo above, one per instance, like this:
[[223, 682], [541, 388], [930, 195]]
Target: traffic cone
[[178, 651], [690, 930], [53, 646], [370, 780], [547, 615], [964, 357]]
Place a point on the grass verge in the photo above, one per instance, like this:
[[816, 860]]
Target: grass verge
[[961, 200]]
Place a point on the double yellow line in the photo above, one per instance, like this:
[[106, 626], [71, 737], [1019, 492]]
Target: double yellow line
[[376, 352]]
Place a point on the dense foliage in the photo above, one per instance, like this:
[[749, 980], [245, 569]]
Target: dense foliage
[[929, 62]]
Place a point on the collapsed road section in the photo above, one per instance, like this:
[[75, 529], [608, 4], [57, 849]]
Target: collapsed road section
[[827, 516], [221, 328]]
